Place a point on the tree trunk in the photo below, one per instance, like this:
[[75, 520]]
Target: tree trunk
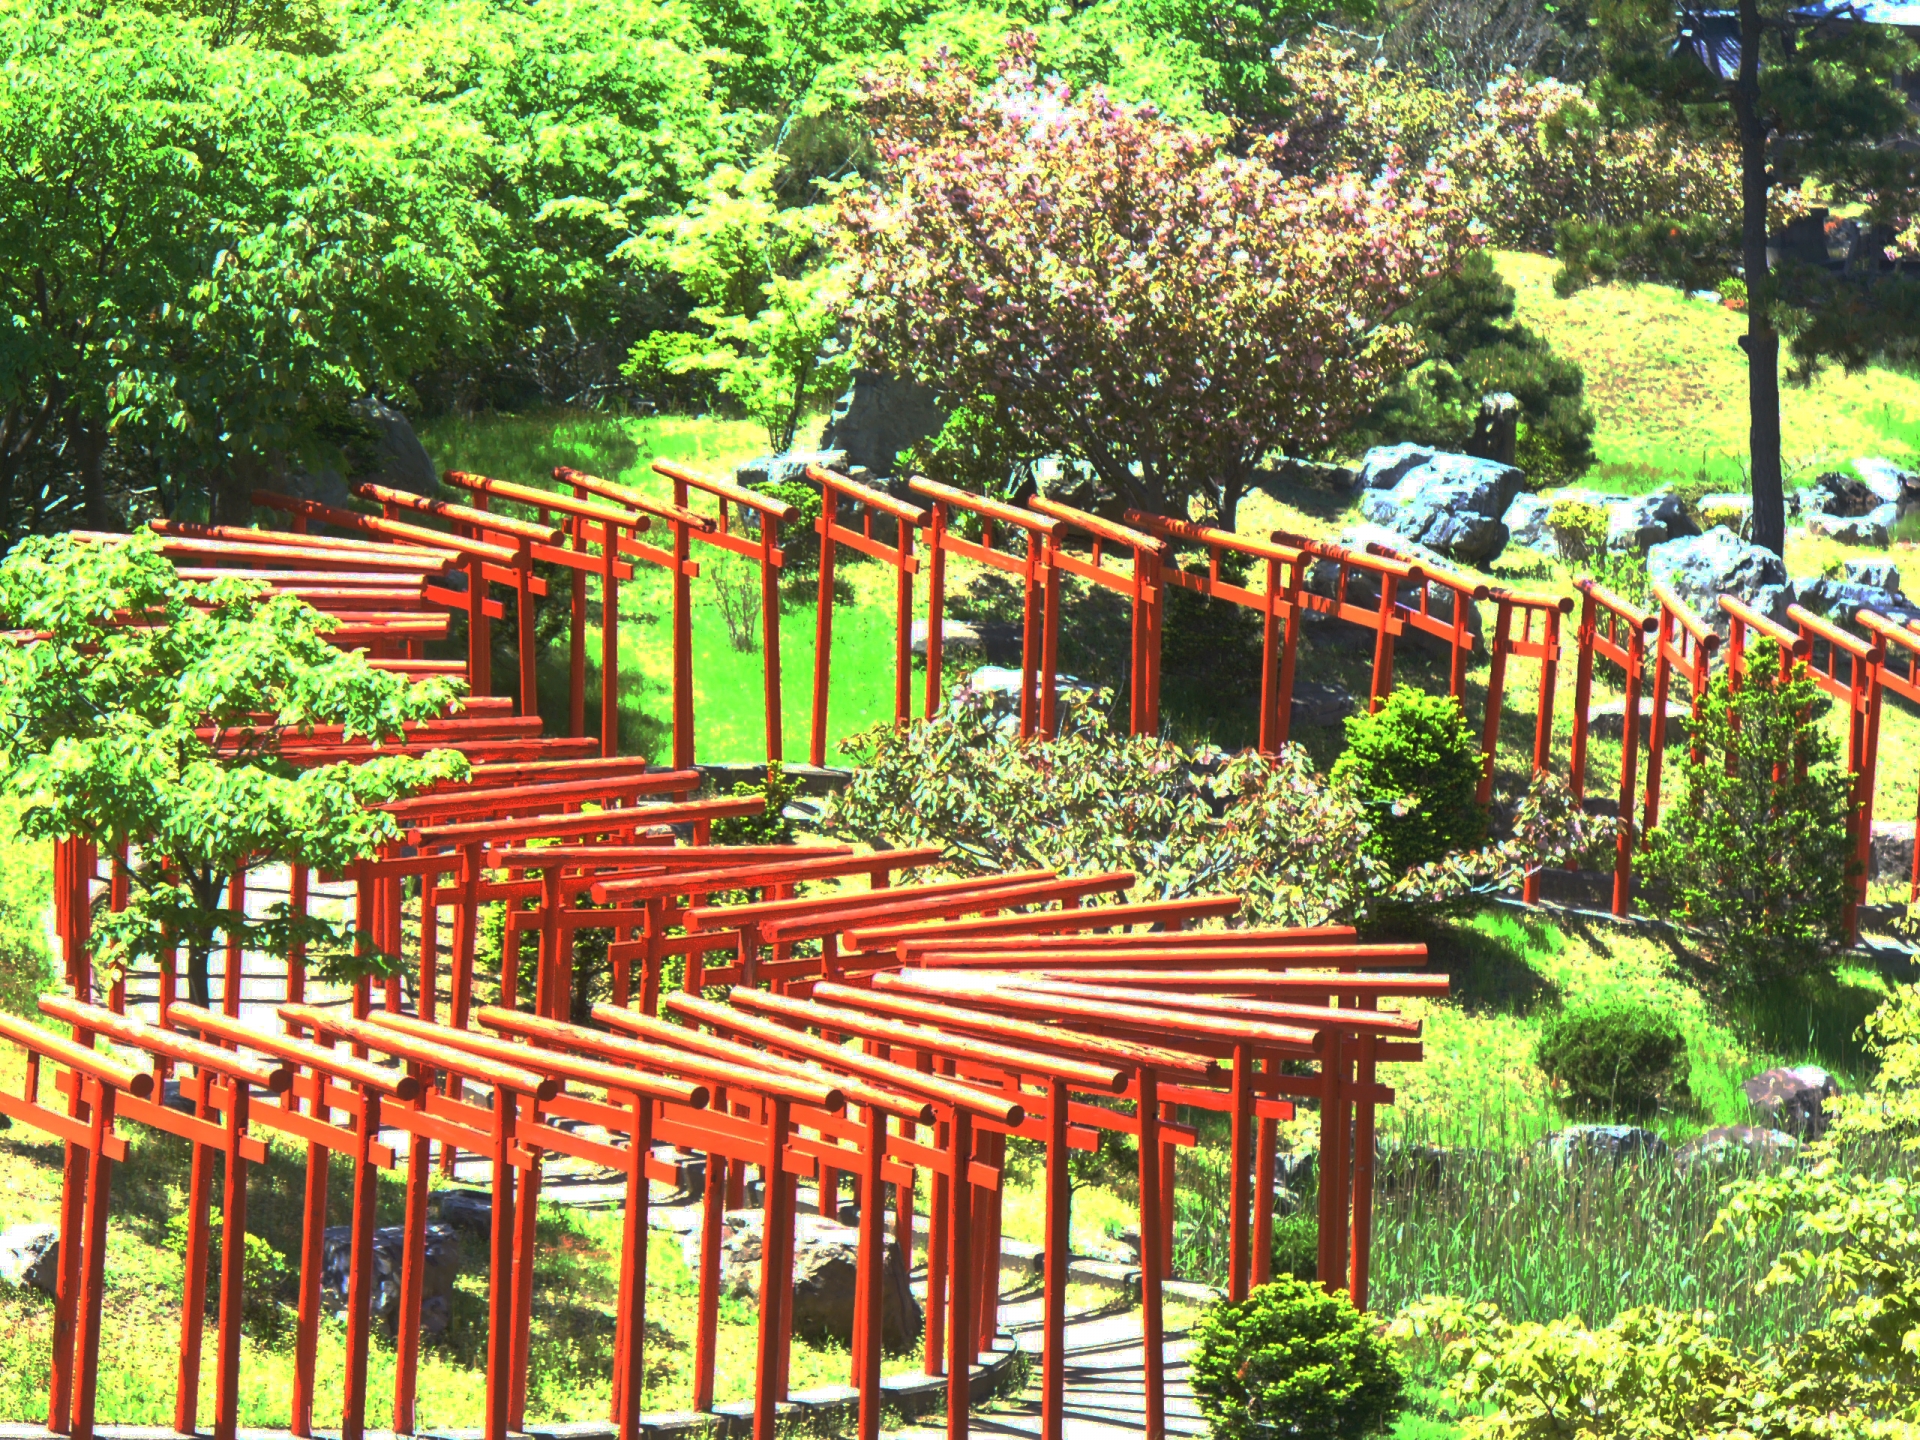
[[87, 453], [1762, 341], [199, 980]]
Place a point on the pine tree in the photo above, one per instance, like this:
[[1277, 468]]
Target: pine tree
[[1816, 109]]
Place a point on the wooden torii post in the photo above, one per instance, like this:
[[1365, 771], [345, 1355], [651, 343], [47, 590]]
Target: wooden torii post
[[1140, 583], [1615, 630], [1856, 685], [1385, 616], [222, 1084], [1906, 641], [686, 526], [1278, 605], [836, 489], [1040, 577], [95, 1084], [1682, 642], [326, 1080], [764, 547]]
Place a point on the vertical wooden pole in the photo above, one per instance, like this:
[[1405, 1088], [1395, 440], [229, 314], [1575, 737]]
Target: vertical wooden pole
[[707, 1334], [1629, 758], [1240, 1201], [682, 644], [306, 1338], [67, 1291], [873, 1242], [1269, 661], [770, 629], [633, 1275], [1496, 682], [1031, 705], [1657, 725], [413, 1268], [960, 1336], [1152, 1263], [528, 647], [1059, 1222], [1382, 645], [500, 1270], [235, 951], [577, 634], [193, 1299], [903, 628], [93, 1257], [1362, 1258], [479, 630], [526, 1218], [353, 1419], [233, 1255], [937, 605], [1263, 1160], [609, 640], [1049, 639], [823, 625], [776, 1284], [1582, 694]]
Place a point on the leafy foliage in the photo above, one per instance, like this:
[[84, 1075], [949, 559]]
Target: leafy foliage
[[146, 712], [1754, 847], [1614, 1058], [1416, 766], [1292, 1359], [772, 828], [1127, 291], [768, 293], [1294, 844]]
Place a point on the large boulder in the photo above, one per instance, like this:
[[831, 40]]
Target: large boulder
[[436, 1306], [1792, 1099], [391, 453], [1449, 503], [1702, 568], [1841, 600], [1835, 493], [30, 1257], [1526, 522], [1888, 481], [826, 1260], [1639, 522], [1869, 529], [880, 416]]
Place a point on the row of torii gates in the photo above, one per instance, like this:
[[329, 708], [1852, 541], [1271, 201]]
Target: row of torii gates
[[893, 1032]]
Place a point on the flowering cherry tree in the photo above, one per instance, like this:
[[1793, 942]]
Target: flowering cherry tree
[[1128, 291]]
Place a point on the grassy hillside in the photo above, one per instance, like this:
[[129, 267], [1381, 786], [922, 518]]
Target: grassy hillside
[[1668, 385]]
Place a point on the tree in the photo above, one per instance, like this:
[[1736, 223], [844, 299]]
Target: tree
[[1812, 107], [1133, 293], [145, 712], [771, 298], [1755, 846]]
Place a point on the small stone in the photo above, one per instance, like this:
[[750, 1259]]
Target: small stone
[[1849, 529], [825, 1271], [465, 1209], [1730, 1144], [30, 1257], [1611, 1143]]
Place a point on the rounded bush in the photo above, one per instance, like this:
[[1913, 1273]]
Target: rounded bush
[[1614, 1058], [1296, 1362], [1416, 766]]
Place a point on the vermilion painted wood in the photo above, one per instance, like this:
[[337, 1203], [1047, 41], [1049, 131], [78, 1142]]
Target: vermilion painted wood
[[836, 489], [1856, 684], [1048, 922], [1610, 629], [1682, 642], [1141, 584], [1040, 614]]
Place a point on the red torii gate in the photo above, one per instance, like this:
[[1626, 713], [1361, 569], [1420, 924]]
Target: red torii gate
[[1040, 616], [1613, 630], [1907, 686], [1141, 584], [834, 489], [1683, 643], [1860, 690]]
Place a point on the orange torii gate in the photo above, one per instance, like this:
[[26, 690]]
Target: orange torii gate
[[1278, 606], [1683, 644], [1859, 688], [835, 489], [1040, 614], [1906, 685], [1140, 583], [1611, 629], [769, 515]]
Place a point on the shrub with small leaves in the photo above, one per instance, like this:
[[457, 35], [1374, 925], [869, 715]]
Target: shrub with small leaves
[[1293, 1360], [1416, 765], [1613, 1058]]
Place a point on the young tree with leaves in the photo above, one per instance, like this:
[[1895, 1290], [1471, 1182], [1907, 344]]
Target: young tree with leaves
[[1816, 109], [1129, 291], [143, 713]]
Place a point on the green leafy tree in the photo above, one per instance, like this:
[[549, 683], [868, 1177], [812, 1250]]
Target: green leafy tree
[[771, 297], [1475, 348], [1295, 1360], [1815, 108], [1416, 766], [145, 712], [1754, 847]]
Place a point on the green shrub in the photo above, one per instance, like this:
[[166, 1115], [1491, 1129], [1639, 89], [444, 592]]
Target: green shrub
[[771, 828], [1754, 848], [1415, 764], [1615, 1059], [1579, 529], [1292, 1360]]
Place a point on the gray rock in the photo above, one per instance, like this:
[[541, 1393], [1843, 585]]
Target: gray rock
[[1841, 600], [1885, 479], [1729, 508], [1526, 522], [1639, 522], [1608, 720], [470, 1209], [1850, 529], [1892, 852], [436, 1305], [880, 416], [399, 459], [956, 636], [1701, 568], [825, 1273], [1835, 494], [1317, 706], [1384, 466], [1611, 1143], [30, 1257], [1887, 514], [791, 465], [1290, 473], [1449, 503], [1880, 574], [1726, 1145], [1792, 1099]]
